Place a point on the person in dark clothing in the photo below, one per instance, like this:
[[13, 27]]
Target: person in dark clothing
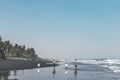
[[75, 63]]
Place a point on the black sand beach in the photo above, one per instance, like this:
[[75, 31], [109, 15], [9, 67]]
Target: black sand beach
[[22, 64]]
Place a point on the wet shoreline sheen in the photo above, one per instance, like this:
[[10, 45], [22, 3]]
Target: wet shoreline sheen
[[22, 64]]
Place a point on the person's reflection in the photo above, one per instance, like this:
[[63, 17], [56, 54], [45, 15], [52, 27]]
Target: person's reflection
[[15, 72], [75, 74], [4, 75], [54, 71], [23, 72], [38, 70], [66, 71]]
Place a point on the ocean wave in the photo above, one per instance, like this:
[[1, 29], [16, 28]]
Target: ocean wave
[[102, 61], [112, 61], [115, 69], [97, 65]]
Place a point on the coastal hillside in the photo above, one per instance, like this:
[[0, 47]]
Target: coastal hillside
[[15, 51]]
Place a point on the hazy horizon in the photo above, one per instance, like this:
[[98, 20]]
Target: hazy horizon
[[63, 28]]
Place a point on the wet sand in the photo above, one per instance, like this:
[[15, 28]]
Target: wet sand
[[22, 64]]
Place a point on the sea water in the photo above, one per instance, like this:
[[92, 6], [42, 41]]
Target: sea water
[[97, 69]]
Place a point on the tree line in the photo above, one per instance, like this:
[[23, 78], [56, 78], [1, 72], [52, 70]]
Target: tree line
[[12, 51]]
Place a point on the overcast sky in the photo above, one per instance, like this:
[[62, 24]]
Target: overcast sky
[[63, 28]]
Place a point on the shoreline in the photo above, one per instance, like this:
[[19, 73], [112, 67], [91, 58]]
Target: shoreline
[[22, 64]]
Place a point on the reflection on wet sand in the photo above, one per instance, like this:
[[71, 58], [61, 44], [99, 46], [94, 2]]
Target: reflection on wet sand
[[54, 71], [75, 74], [15, 72], [5, 74], [66, 71], [38, 70]]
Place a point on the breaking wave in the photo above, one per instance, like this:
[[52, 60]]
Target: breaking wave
[[111, 64], [115, 69], [102, 61]]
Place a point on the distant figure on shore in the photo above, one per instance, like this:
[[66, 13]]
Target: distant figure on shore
[[66, 65], [54, 62], [75, 63], [66, 68], [75, 72], [38, 65]]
